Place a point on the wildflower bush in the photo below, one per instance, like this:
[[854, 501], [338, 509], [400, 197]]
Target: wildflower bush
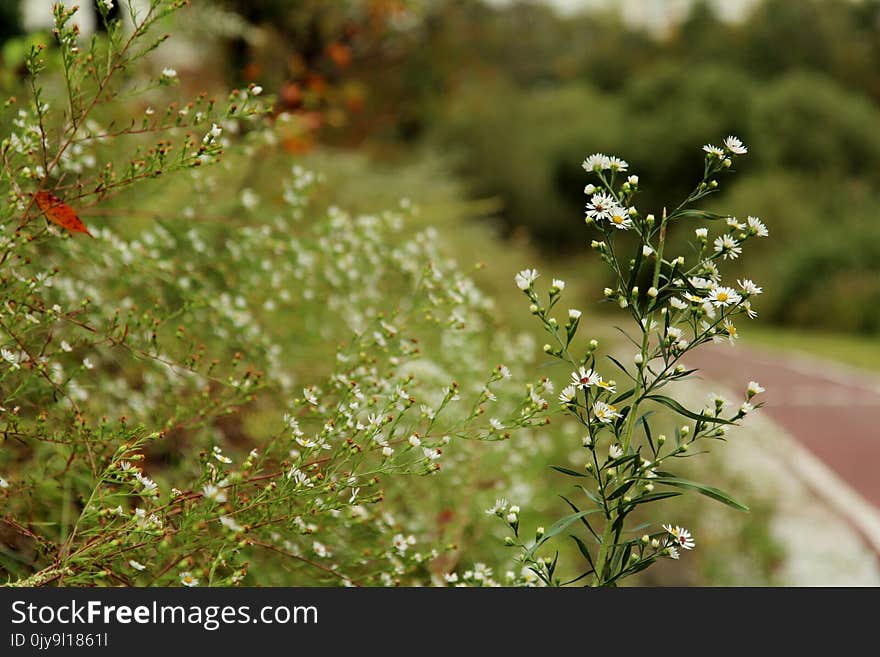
[[205, 381], [156, 427]]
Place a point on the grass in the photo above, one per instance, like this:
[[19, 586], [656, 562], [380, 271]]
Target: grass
[[856, 350]]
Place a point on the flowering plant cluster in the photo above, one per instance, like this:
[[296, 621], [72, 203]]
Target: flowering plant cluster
[[676, 304], [228, 390]]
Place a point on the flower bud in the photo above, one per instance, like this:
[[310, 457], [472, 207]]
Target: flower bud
[[623, 303], [638, 359], [607, 291], [655, 543], [509, 541], [539, 533], [594, 344], [661, 439], [646, 539], [653, 292], [685, 430]]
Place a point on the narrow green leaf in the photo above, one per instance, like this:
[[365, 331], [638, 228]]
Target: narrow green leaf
[[669, 402], [567, 471], [584, 550], [621, 489], [559, 526], [584, 521], [653, 497], [708, 491]]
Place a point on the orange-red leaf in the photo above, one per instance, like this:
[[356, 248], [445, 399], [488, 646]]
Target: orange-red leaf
[[60, 213]]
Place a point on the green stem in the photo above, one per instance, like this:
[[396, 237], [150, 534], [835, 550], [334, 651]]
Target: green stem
[[602, 557]]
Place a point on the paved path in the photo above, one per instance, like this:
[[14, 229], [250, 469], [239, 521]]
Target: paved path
[[831, 412]]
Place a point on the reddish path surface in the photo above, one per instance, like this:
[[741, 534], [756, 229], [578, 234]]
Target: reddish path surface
[[832, 411]]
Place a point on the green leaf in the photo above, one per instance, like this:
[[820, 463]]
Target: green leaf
[[653, 497], [620, 490], [618, 363], [624, 395], [590, 494], [632, 570], [585, 522], [560, 526], [702, 214], [567, 471], [669, 402], [584, 550], [578, 578], [708, 491]]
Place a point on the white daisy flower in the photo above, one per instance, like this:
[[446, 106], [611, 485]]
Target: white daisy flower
[[714, 150], [722, 297], [672, 551], [65, 346], [615, 452], [218, 454], [583, 378], [187, 579], [620, 218], [213, 493], [735, 146], [728, 247], [169, 73], [500, 507], [757, 227], [605, 413], [597, 162], [600, 206], [681, 536], [755, 388], [525, 278], [557, 284], [136, 565], [616, 164], [749, 287], [414, 440], [573, 313], [568, 394]]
